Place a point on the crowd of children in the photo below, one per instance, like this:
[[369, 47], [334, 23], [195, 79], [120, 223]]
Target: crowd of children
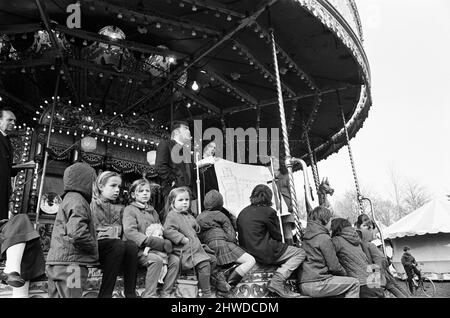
[[92, 230]]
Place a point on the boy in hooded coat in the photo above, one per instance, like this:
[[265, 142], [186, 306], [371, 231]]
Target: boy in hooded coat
[[73, 245]]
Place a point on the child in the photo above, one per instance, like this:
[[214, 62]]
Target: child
[[114, 253], [137, 217], [156, 230], [73, 246], [352, 257], [321, 274], [218, 233], [365, 228], [181, 228]]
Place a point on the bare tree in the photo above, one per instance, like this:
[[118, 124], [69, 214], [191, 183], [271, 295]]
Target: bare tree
[[414, 196], [347, 207], [396, 183]]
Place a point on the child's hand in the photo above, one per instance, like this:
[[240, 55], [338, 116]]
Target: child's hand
[[185, 241], [167, 246]]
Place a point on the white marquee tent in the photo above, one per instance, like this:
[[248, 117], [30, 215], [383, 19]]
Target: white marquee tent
[[427, 232]]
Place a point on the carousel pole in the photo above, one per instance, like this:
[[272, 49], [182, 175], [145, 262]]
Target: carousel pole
[[314, 169], [280, 210], [352, 162], [47, 144], [287, 151]]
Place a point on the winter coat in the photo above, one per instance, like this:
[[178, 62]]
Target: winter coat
[[136, 219], [259, 233], [74, 240], [321, 261], [107, 219], [351, 255], [408, 259], [375, 256], [214, 225], [179, 225]]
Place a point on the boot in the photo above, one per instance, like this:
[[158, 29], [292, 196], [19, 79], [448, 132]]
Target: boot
[[234, 279], [219, 281], [278, 286], [205, 293]]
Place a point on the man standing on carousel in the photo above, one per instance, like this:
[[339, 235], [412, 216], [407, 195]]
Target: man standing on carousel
[[174, 162]]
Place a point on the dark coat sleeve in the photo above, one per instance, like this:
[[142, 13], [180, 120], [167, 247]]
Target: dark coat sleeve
[[329, 249], [77, 228]]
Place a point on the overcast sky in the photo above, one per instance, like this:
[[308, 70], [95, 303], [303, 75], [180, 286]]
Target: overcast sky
[[408, 46]]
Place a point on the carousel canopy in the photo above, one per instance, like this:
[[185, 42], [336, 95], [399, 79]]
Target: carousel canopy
[[161, 60]]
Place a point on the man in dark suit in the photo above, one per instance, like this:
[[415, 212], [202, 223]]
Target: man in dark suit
[[173, 160], [7, 125], [175, 164]]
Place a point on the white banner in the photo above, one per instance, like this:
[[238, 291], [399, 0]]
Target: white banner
[[236, 182]]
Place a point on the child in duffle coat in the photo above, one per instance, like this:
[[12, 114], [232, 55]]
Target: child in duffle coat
[[73, 246], [181, 228], [352, 257], [114, 253], [218, 233], [137, 217]]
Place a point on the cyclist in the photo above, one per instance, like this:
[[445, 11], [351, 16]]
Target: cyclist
[[410, 265]]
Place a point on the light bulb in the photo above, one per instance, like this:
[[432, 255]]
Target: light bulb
[[195, 86]]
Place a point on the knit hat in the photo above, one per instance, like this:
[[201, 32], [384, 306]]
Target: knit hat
[[213, 200]]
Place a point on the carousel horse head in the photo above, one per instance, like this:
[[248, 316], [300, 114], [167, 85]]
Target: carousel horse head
[[325, 187]]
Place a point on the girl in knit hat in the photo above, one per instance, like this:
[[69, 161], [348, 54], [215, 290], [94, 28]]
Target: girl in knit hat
[[218, 233]]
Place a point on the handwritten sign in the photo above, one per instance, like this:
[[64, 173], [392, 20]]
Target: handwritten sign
[[236, 182]]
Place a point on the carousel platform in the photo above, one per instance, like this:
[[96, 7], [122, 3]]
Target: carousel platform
[[253, 285]]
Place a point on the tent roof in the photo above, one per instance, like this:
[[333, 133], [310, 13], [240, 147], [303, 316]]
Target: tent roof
[[432, 218]]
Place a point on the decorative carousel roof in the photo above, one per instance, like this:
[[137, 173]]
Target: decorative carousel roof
[[140, 58]]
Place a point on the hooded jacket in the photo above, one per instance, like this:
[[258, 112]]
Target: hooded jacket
[[74, 240], [375, 256], [321, 261], [351, 254]]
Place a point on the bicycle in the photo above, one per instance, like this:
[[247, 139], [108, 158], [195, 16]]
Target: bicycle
[[423, 286]]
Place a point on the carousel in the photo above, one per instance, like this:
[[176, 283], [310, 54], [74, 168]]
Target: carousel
[[102, 81]]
